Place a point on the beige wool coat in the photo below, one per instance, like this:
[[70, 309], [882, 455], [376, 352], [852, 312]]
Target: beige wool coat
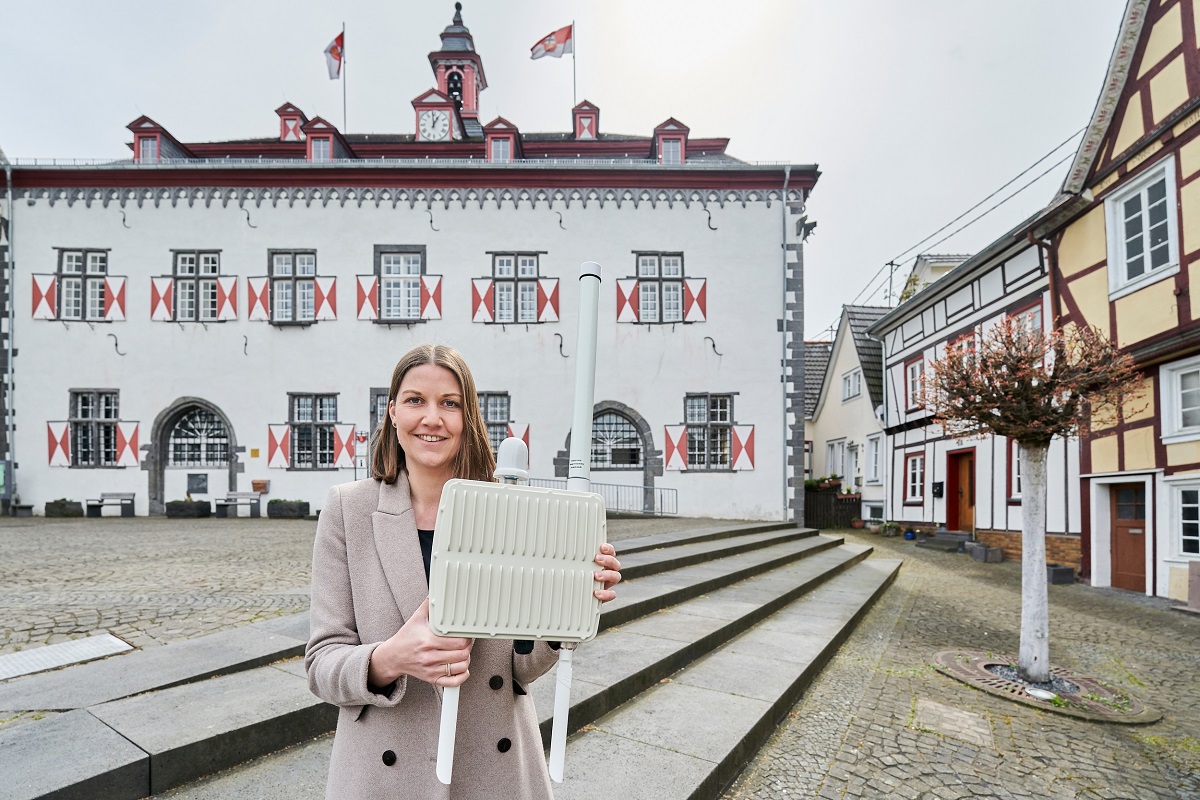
[[368, 578]]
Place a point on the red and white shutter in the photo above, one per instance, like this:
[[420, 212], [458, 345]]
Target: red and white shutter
[[743, 447], [127, 444], [226, 297], [260, 305], [45, 294], [114, 299], [695, 300], [58, 437], [279, 446], [676, 450], [326, 297], [547, 300], [431, 297], [483, 300], [343, 446], [162, 299], [368, 297], [520, 430], [627, 300]]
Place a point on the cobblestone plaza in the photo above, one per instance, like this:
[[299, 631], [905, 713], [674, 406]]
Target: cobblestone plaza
[[878, 722]]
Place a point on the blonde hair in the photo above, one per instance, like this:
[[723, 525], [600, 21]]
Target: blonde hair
[[475, 460]]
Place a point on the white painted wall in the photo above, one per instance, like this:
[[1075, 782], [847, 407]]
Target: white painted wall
[[247, 368]]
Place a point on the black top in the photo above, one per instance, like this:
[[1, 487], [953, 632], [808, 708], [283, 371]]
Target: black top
[[426, 538]]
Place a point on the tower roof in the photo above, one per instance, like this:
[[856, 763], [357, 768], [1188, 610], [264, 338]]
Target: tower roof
[[456, 37]]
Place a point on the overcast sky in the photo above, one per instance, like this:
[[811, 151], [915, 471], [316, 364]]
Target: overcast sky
[[914, 111]]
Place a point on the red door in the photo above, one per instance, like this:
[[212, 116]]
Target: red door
[[1128, 502]]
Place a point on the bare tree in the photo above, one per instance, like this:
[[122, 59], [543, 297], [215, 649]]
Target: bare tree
[[1017, 381]]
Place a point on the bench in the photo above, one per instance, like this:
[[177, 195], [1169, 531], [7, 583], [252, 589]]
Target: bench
[[236, 499], [122, 499]]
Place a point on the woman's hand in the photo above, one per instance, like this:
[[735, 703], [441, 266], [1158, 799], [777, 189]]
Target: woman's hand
[[610, 575], [417, 651]]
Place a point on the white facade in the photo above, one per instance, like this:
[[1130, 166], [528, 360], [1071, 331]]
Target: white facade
[[966, 483]]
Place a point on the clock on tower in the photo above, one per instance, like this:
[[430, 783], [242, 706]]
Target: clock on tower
[[434, 125]]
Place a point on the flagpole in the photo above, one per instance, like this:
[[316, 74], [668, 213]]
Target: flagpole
[[344, 129], [574, 44]]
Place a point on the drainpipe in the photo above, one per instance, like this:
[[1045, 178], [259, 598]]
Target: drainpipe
[[783, 220], [8, 399], [1051, 266]]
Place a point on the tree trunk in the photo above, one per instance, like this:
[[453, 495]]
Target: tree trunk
[[1033, 663]]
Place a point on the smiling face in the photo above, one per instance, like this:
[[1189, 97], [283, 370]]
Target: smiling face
[[428, 416]]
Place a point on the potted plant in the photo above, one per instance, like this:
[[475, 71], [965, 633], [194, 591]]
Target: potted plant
[[811, 484], [856, 523], [287, 509], [189, 508], [889, 528], [830, 482], [63, 507]]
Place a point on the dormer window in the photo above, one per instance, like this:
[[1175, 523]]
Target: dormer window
[[148, 150], [322, 149], [672, 151], [501, 151], [587, 120]]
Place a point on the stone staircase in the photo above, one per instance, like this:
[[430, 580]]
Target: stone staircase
[[714, 636]]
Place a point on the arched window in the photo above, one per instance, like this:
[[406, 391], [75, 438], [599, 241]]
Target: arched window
[[616, 443], [199, 439]]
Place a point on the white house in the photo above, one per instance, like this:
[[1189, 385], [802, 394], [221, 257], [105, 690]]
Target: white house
[[970, 484], [847, 421], [203, 315]]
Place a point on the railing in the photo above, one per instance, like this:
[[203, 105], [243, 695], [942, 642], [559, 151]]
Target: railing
[[629, 499], [701, 164]]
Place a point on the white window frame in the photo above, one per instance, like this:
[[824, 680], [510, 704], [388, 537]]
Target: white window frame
[[835, 458], [322, 149], [1118, 284], [148, 150], [400, 274], [501, 151], [914, 375], [672, 152], [1173, 429], [872, 472], [1014, 451], [852, 384], [1177, 523], [914, 492]]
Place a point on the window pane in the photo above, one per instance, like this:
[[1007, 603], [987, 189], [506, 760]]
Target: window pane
[[210, 263], [185, 300], [615, 443], [390, 288], [306, 301], [528, 267], [697, 443], [283, 301], [327, 408], [528, 302], [390, 263], [73, 262], [185, 263], [208, 300], [718, 408], [504, 301], [282, 265], [672, 309], [503, 267], [672, 266], [718, 446], [648, 301], [411, 263], [72, 298], [696, 410], [647, 266], [412, 298], [108, 405], [97, 263], [302, 408], [95, 298], [306, 264]]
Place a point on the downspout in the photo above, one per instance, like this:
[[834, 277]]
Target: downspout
[[884, 479], [8, 389], [1051, 266], [783, 220]]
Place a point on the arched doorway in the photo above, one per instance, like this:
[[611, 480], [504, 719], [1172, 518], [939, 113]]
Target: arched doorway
[[190, 433], [621, 440]]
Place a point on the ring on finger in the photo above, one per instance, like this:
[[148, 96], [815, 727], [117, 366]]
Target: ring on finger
[[449, 671]]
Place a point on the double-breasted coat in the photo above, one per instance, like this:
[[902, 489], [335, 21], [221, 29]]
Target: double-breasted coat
[[368, 578]]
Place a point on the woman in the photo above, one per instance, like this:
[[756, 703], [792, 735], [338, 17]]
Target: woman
[[371, 650]]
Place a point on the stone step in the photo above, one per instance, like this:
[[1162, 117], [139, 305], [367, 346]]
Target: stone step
[[137, 672], [622, 662], [689, 736], [655, 541], [940, 543], [655, 592], [675, 555]]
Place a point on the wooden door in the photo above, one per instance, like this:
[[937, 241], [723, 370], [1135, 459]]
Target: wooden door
[[1128, 502], [966, 491]]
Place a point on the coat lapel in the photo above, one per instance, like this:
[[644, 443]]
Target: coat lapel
[[399, 549]]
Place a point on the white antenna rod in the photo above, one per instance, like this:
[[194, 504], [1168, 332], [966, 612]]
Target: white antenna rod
[[579, 473]]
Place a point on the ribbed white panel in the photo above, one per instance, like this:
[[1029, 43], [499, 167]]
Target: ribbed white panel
[[515, 562]]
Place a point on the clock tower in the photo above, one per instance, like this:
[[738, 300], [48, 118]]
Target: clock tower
[[458, 70]]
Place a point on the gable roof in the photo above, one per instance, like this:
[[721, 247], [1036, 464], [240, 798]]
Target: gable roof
[[816, 361], [870, 351]]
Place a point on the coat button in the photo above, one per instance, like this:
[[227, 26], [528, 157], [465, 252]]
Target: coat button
[[389, 758], [503, 745], [496, 682]]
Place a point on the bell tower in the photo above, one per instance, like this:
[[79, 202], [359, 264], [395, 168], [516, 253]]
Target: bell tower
[[458, 70]]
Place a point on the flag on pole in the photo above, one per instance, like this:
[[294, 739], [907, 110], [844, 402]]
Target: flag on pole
[[334, 54], [556, 45]]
